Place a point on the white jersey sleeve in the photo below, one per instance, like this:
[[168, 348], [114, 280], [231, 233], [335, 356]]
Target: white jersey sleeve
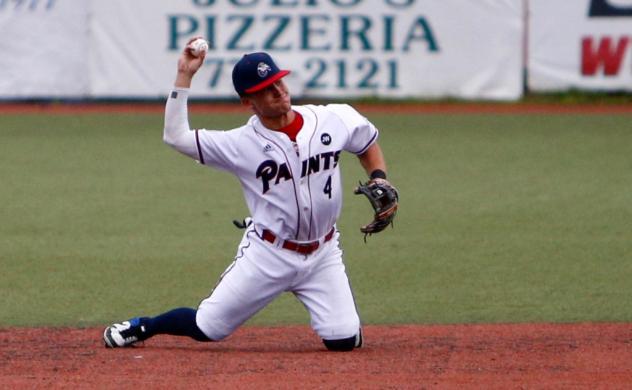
[[176, 131], [218, 148], [362, 133], [208, 147]]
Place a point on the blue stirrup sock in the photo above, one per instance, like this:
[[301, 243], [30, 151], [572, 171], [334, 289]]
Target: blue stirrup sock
[[177, 322]]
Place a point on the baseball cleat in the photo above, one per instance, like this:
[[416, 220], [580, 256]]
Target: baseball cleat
[[124, 334]]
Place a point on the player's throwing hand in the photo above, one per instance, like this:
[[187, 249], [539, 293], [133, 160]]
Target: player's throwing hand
[[189, 63]]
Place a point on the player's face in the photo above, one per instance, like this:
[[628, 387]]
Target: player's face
[[272, 101]]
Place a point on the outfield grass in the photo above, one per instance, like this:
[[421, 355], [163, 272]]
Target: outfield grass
[[508, 218]]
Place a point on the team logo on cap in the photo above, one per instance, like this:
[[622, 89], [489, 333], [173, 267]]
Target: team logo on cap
[[263, 69], [325, 139]]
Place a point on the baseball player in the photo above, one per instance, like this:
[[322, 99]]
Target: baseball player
[[287, 159]]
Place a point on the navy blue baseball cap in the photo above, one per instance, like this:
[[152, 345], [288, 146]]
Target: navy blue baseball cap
[[254, 72]]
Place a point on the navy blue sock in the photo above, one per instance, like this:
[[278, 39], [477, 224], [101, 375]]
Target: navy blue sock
[[177, 322]]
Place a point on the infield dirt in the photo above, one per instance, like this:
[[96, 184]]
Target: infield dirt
[[584, 356]]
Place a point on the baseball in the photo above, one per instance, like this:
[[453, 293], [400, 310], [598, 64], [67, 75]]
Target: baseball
[[198, 47]]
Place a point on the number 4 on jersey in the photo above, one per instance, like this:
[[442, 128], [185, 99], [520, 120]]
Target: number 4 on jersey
[[327, 189]]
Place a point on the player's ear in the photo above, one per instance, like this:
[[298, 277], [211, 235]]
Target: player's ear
[[246, 101]]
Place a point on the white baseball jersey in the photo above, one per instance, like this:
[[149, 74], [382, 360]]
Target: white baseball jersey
[[292, 190]]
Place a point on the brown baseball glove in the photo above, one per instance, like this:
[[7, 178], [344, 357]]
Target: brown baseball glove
[[384, 199]]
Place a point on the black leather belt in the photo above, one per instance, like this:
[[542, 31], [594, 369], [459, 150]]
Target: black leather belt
[[301, 247]]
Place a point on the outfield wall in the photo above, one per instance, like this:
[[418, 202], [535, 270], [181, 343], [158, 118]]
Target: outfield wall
[[336, 48]]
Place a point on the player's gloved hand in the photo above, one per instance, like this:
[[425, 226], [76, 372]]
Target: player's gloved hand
[[384, 199]]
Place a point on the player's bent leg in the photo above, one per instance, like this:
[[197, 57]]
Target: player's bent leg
[[346, 344], [177, 322], [244, 288], [328, 297], [219, 315]]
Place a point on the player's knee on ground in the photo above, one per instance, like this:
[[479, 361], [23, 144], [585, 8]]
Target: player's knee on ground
[[213, 329], [344, 345]]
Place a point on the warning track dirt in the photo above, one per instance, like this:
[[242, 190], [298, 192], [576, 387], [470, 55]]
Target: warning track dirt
[[409, 108]]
